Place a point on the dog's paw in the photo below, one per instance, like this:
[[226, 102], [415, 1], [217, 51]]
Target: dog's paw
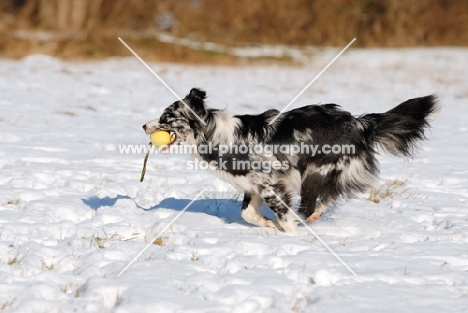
[[314, 217], [271, 224]]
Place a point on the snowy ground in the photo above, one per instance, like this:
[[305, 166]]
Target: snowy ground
[[73, 212]]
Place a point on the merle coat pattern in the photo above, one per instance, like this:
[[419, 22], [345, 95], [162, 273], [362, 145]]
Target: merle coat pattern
[[310, 177]]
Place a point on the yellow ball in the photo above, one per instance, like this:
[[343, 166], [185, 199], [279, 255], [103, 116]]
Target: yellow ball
[[160, 138]]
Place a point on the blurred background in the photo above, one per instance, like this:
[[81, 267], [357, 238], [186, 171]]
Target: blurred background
[[210, 31]]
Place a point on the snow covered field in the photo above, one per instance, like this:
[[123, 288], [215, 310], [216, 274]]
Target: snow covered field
[[73, 212]]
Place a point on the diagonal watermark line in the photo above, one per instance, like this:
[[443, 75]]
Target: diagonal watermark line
[[160, 233], [312, 81], [161, 80], [314, 233]]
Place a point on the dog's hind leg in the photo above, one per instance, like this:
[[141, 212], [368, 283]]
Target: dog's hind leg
[[310, 189], [322, 207], [251, 212]]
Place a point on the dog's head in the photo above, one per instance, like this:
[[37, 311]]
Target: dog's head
[[182, 119]]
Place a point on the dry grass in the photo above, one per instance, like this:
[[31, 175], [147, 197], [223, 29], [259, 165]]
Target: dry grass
[[102, 241], [160, 241], [49, 266], [194, 256], [6, 304], [103, 45], [89, 28], [389, 190]]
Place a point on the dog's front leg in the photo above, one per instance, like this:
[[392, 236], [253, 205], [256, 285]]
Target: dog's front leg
[[280, 202], [251, 212]]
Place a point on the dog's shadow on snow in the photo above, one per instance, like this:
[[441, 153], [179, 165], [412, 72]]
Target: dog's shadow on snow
[[226, 209], [229, 210], [96, 202]]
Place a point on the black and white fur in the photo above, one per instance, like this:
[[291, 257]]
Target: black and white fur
[[322, 176]]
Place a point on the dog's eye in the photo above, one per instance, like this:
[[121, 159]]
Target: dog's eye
[[166, 118], [163, 118]]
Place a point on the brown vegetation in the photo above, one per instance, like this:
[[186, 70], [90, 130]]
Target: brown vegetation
[[389, 190], [88, 28]]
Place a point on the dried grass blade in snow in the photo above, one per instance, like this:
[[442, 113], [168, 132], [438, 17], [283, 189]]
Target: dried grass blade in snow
[[143, 171]]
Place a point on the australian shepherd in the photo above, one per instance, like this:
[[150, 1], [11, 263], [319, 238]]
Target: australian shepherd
[[310, 153]]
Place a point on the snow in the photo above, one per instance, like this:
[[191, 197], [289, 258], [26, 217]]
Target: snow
[[73, 213]]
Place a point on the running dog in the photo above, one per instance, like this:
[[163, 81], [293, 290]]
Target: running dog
[[259, 154]]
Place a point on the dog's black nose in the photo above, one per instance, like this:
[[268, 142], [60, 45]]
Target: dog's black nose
[[144, 127]]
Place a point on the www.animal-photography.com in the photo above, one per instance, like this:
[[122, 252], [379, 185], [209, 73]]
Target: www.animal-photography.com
[[233, 156]]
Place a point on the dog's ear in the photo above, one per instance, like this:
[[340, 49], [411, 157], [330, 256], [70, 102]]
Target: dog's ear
[[197, 93], [196, 101]]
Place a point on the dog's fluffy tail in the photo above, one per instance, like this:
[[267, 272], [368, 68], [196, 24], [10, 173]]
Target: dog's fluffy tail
[[399, 130]]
